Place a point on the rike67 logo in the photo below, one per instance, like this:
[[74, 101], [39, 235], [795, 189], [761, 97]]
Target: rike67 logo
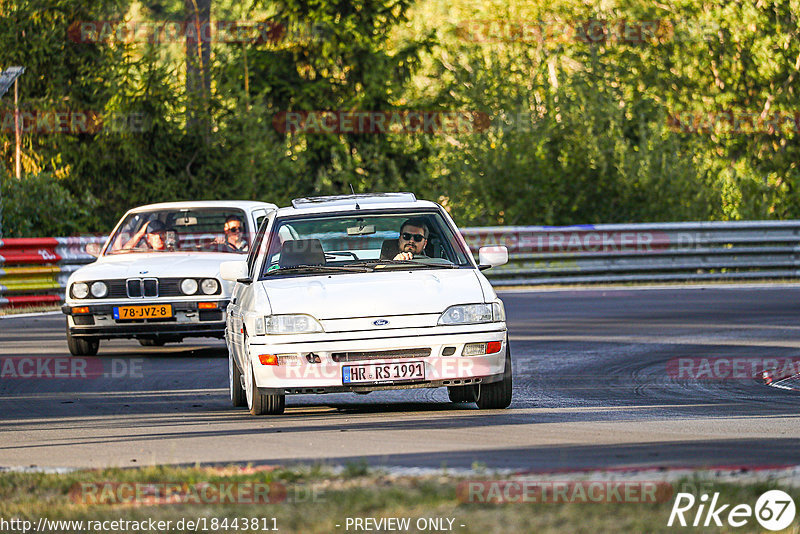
[[774, 510]]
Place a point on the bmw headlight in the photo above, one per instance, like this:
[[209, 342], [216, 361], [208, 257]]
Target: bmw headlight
[[292, 324], [189, 286], [209, 286], [80, 290], [99, 290], [473, 314]]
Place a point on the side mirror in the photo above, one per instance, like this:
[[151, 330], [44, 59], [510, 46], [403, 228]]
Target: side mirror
[[492, 256], [234, 271], [93, 249]]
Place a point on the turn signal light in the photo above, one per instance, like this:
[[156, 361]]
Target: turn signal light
[[207, 305], [81, 309], [479, 349], [493, 347], [268, 359]]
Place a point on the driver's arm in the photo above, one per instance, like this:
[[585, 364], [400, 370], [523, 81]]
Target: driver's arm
[[132, 242]]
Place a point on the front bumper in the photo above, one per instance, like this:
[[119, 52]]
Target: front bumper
[[327, 375], [187, 321]]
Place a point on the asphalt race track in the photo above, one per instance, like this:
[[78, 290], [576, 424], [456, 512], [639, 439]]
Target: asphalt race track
[[595, 387]]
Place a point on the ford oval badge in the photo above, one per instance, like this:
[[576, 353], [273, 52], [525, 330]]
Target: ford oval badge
[[380, 322]]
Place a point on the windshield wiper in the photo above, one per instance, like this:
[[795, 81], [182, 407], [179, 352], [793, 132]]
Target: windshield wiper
[[321, 268]]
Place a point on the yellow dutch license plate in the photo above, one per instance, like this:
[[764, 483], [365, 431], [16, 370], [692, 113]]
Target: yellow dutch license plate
[[157, 311]]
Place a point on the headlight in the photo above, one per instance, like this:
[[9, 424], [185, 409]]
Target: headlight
[[80, 290], [292, 324], [99, 290], [209, 286], [498, 311], [189, 286], [472, 314]]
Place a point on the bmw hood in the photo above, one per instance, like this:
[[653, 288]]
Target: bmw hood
[[399, 292], [155, 265]]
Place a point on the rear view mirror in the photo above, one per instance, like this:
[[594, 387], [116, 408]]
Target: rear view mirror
[[361, 230], [493, 256]]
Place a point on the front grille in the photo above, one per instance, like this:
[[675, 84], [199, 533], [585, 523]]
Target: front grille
[[150, 287], [116, 289], [161, 287], [171, 287], [142, 287], [380, 355], [134, 288]]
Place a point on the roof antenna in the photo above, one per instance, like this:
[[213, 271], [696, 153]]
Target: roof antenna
[[354, 194]]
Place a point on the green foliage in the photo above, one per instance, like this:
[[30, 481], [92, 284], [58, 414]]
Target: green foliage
[[576, 131], [38, 205]]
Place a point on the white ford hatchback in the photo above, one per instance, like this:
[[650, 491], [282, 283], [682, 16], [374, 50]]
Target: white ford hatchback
[[361, 293]]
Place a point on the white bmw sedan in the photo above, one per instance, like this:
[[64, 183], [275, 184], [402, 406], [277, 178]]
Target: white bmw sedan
[[361, 293], [157, 278]]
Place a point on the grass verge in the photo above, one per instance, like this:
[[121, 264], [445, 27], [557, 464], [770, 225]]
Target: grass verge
[[29, 309], [317, 499]]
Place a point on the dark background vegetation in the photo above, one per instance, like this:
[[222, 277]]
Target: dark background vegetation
[[580, 129]]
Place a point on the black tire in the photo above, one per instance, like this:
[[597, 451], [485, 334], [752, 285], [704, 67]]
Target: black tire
[[262, 404], [82, 346], [467, 393], [151, 342], [497, 395], [238, 397]]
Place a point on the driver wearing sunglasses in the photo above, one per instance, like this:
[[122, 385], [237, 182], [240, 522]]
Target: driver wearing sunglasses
[[412, 240], [234, 239]]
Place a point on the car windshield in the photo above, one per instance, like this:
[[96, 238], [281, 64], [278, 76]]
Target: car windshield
[[336, 244], [182, 230]]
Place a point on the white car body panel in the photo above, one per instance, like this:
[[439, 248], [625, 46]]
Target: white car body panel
[[371, 312]]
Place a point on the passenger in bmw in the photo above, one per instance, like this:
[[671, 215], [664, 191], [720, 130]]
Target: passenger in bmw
[[154, 233], [412, 240]]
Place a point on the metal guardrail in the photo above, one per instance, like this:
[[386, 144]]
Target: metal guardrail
[[691, 251], [35, 271]]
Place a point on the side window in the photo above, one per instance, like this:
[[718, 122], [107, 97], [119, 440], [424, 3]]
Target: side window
[[262, 229]]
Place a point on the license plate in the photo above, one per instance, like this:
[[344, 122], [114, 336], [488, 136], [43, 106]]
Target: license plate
[[383, 372], [157, 311]]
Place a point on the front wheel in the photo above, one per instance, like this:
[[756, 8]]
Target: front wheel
[[497, 395], [261, 404], [82, 346], [238, 397]]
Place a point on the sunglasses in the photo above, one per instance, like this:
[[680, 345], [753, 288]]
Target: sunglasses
[[407, 237], [234, 229]]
